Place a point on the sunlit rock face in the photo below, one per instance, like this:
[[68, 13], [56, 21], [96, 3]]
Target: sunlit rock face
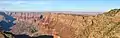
[[104, 25], [1, 18]]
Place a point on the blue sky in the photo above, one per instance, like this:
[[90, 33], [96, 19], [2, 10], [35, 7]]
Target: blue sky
[[59, 5]]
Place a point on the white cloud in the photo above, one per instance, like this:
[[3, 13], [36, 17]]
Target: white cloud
[[18, 2], [39, 3], [31, 2], [5, 2], [25, 2], [24, 5]]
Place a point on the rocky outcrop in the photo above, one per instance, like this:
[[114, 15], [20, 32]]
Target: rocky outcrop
[[104, 25]]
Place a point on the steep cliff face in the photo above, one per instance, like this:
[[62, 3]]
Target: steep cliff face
[[105, 25]]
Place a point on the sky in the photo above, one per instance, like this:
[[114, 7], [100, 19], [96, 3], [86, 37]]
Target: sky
[[59, 5]]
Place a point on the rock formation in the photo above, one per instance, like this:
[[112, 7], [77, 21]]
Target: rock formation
[[104, 25]]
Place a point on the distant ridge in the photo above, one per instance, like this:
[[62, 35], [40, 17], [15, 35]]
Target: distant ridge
[[66, 12]]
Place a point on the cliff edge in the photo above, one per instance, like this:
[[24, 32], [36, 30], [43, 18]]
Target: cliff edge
[[104, 25]]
